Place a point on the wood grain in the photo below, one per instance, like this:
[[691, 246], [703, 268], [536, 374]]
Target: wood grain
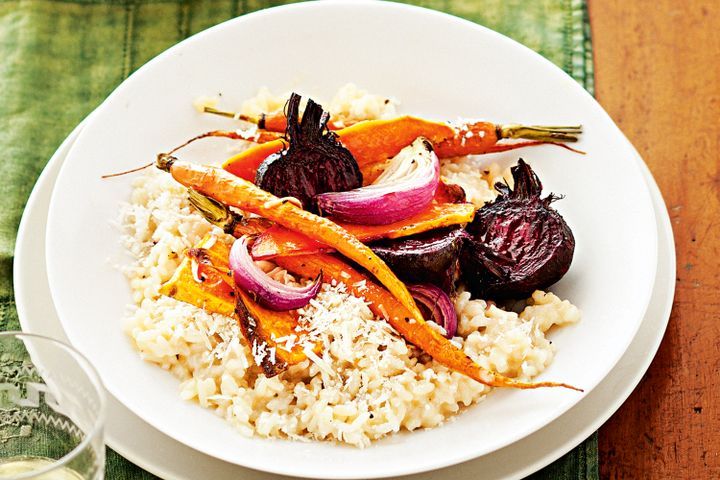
[[658, 75]]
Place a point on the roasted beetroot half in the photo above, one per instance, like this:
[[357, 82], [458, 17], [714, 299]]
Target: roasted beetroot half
[[518, 243], [314, 161], [429, 257]]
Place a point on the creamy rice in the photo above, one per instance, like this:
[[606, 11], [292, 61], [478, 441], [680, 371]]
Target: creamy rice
[[367, 382]]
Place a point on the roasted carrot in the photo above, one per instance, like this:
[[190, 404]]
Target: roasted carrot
[[278, 240], [448, 208], [246, 163], [372, 142], [375, 141], [417, 332], [231, 190], [483, 137], [216, 293], [275, 122]]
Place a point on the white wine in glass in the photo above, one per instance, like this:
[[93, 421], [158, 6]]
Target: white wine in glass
[[52, 411]]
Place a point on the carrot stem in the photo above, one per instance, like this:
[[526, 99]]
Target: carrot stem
[[236, 116], [541, 133], [220, 215]]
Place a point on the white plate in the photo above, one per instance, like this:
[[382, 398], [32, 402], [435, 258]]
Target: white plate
[[607, 205], [169, 459]]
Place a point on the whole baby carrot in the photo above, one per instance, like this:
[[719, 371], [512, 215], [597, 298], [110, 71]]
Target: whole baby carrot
[[230, 190], [372, 142]]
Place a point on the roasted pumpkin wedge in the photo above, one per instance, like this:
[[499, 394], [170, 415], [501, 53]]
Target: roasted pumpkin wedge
[[216, 293]]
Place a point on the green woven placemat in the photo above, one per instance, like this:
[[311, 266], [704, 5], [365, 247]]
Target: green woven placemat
[[60, 59]]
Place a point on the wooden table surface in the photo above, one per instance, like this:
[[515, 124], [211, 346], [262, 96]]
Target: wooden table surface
[[658, 75]]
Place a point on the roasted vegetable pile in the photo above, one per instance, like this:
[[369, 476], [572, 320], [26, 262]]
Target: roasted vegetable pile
[[365, 205]]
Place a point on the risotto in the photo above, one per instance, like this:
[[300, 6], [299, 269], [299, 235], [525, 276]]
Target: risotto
[[367, 381]]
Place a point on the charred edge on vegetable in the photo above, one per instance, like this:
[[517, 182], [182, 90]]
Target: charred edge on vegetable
[[248, 326], [428, 257], [314, 161], [200, 255], [232, 223], [165, 161], [498, 131], [527, 185], [518, 243], [454, 192]]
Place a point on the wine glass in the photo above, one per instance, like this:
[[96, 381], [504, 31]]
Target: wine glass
[[52, 411]]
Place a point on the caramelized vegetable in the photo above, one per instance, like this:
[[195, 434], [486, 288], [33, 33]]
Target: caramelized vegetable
[[430, 257], [483, 137], [216, 294], [260, 326], [439, 306], [405, 188], [231, 190], [246, 163], [372, 142], [417, 332], [314, 162], [282, 241], [264, 289], [518, 243]]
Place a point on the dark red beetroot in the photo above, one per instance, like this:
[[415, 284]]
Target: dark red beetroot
[[430, 257], [314, 161], [518, 243]]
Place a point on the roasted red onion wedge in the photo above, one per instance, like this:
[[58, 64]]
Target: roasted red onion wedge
[[438, 304], [266, 291], [405, 188], [314, 161], [518, 243]]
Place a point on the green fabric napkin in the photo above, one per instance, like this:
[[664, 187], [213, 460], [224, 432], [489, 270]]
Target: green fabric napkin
[[60, 59]]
